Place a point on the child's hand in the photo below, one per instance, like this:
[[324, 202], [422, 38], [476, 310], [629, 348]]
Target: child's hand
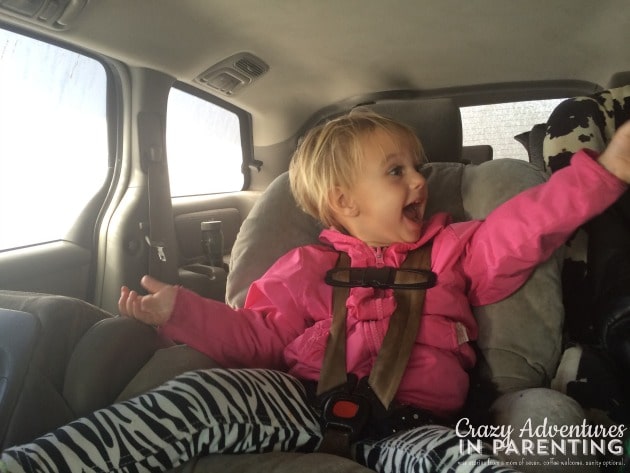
[[154, 308], [616, 157]]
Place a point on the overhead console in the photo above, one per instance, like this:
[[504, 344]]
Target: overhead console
[[55, 14]]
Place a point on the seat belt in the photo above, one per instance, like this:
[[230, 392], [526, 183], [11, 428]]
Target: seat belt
[[342, 413], [163, 264]]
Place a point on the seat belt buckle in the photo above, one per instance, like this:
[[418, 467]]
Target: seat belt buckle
[[161, 253], [158, 246]]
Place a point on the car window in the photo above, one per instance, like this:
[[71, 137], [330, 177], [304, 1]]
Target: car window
[[498, 124], [203, 143], [53, 138]]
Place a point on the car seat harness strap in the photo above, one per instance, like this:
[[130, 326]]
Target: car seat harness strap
[[351, 407]]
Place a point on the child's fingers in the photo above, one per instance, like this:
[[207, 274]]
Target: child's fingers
[[122, 301], [132, 304], [616, 156], [140, 307], [152, 285], [625, 128]]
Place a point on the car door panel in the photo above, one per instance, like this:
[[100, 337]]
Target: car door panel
[[59, 267], [188, 231], [230, 209]]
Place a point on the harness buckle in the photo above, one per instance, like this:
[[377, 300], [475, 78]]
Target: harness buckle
[[344, 414], [345, 411], [353, 411]]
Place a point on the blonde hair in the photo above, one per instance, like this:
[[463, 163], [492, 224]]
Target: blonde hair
[[330, 155]]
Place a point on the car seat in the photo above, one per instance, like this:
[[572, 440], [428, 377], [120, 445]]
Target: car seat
[[90, 343]]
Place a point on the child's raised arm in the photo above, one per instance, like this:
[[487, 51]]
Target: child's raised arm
[[616, 156]]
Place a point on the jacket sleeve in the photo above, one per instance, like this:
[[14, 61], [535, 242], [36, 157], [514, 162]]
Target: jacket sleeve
[[523, 232], [253, 336]]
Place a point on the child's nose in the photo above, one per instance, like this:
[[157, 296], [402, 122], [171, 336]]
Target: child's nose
[[417, 180]]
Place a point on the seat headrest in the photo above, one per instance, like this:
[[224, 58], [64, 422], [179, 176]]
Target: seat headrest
[[437, 122], [619, 79]]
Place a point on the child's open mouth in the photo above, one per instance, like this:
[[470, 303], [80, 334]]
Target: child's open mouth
[[412, 212]]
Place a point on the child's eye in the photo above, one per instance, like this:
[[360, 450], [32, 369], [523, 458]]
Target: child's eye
[[396, 171]]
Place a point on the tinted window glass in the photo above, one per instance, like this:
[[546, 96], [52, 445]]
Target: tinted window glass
[[203, 143], [53, 138]]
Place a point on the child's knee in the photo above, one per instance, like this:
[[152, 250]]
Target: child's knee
[[535, 415]]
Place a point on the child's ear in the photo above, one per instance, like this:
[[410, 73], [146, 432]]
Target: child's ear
[[342, 202]]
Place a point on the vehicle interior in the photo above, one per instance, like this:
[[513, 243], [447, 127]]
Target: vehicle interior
[[124, 125]]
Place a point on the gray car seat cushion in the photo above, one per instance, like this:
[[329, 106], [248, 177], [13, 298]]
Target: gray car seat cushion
[[535, 312]]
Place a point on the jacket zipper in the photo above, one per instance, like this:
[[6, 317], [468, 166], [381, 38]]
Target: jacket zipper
[[379, 257]]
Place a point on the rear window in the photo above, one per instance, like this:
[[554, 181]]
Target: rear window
[[53, 138], [498, 124], [203, 143]]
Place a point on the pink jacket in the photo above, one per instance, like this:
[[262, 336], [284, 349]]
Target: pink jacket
[[287, 314]]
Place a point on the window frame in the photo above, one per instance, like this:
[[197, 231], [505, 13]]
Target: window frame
[[85, 229]]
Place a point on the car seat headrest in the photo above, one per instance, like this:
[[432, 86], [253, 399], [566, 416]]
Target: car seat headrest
[[619, 79], [437, 122]]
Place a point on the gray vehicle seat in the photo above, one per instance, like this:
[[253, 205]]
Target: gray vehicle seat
[[52, 371], [94, 344]]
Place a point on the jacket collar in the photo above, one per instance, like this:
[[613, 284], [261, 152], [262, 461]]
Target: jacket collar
[[363, 255]]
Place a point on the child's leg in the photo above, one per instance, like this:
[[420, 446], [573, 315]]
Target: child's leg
[[199, 412], [431, 448]]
